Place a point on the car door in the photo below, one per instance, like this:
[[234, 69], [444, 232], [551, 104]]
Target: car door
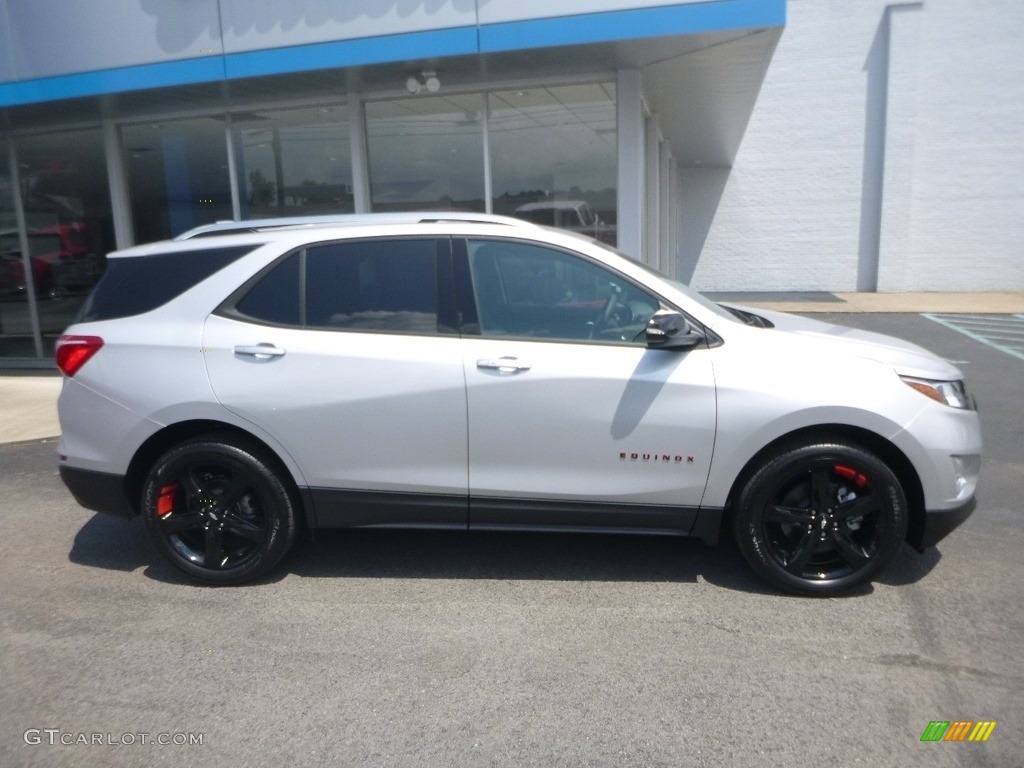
[[573, 422], [343, 354]]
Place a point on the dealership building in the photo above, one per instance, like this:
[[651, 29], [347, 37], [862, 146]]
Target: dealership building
[[739, 145]]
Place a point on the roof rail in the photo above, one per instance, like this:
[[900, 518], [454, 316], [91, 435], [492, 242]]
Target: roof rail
[[410, 217]]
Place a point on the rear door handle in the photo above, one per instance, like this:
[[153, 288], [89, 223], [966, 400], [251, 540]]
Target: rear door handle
[[504, 364], [259, 351]]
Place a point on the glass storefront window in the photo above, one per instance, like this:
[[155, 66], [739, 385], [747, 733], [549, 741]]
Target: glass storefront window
[[12, 270], [293, 163], [426, 153], [177, 176], [554, 156], [63, 178]]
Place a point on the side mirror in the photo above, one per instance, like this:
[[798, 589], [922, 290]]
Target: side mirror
[[668, 329]]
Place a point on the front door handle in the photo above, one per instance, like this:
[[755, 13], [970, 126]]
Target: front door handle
[[259, 351], [504, 364]]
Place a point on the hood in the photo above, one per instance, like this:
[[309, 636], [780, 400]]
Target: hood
[[903, 356]]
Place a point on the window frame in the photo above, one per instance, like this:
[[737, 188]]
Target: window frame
[[469, 308]]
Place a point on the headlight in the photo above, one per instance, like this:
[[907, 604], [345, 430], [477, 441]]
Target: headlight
[[951, 393]]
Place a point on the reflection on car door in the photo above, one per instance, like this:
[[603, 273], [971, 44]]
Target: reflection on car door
[[337, 352], [572, 421]]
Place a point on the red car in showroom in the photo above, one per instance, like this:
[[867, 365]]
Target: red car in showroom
[[60, 255]]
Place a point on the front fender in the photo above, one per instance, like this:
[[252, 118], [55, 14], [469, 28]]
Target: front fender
[[736, 446]]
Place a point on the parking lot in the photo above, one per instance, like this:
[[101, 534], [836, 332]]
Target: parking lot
[[436, 649]]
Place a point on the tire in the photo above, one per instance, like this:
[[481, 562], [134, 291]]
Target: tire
[[218, 509], [44, 288], [820, 519]]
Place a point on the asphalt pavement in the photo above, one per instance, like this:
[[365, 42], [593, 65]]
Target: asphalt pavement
[[452, 649]]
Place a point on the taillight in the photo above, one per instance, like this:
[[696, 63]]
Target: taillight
[[75, 351]]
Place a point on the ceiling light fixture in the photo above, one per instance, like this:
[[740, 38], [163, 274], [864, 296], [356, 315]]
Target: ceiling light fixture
[[426, 79]]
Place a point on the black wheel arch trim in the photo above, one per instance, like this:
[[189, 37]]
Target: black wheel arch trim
[[937, 524], [98, 491], [870, 441], [164, 439]]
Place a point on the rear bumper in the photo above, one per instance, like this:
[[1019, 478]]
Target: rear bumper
[[99, 491], [938, 524]]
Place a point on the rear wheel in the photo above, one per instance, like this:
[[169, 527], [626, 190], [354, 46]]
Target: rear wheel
[[216, 508], [820, 519]]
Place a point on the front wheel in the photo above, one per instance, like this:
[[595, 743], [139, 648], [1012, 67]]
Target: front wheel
[[217, 509], [821, 518]]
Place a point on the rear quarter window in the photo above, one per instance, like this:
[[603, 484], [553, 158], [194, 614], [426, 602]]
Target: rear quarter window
[[139, 284], [387, 285]]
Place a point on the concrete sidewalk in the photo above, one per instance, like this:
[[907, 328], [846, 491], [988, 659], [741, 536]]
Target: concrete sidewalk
[[28, 404], [28, 407], [1001, 303]]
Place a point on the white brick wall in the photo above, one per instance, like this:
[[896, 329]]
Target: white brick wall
[[800, 208]]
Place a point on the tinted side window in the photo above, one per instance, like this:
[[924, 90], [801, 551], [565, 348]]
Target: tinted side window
[[134, 285], [381, 285], [531, 291], [275, 298]]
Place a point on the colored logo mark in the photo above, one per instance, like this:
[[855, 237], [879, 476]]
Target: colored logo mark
[[958, 730]]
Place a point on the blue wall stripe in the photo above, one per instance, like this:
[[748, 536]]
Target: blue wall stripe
[[629, 25], [610, 26], [188, 71]]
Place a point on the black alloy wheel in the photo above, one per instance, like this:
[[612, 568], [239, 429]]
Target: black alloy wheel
[[821, 519], [216, 509]]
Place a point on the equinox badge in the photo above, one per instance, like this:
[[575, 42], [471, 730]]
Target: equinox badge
[[664, 458]]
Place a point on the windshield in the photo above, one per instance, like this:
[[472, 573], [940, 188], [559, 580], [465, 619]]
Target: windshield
[[683, 288]]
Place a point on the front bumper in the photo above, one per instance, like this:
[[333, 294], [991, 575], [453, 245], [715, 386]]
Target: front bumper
[[98, 491], [938, 524]]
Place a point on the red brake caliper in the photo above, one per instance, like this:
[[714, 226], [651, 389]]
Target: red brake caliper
[[851, 474], [165, 501]]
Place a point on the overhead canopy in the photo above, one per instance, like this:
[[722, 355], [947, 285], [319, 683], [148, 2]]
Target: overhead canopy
[[703, 63]]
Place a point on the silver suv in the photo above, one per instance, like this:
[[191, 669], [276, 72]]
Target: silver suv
[[479, 373]]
